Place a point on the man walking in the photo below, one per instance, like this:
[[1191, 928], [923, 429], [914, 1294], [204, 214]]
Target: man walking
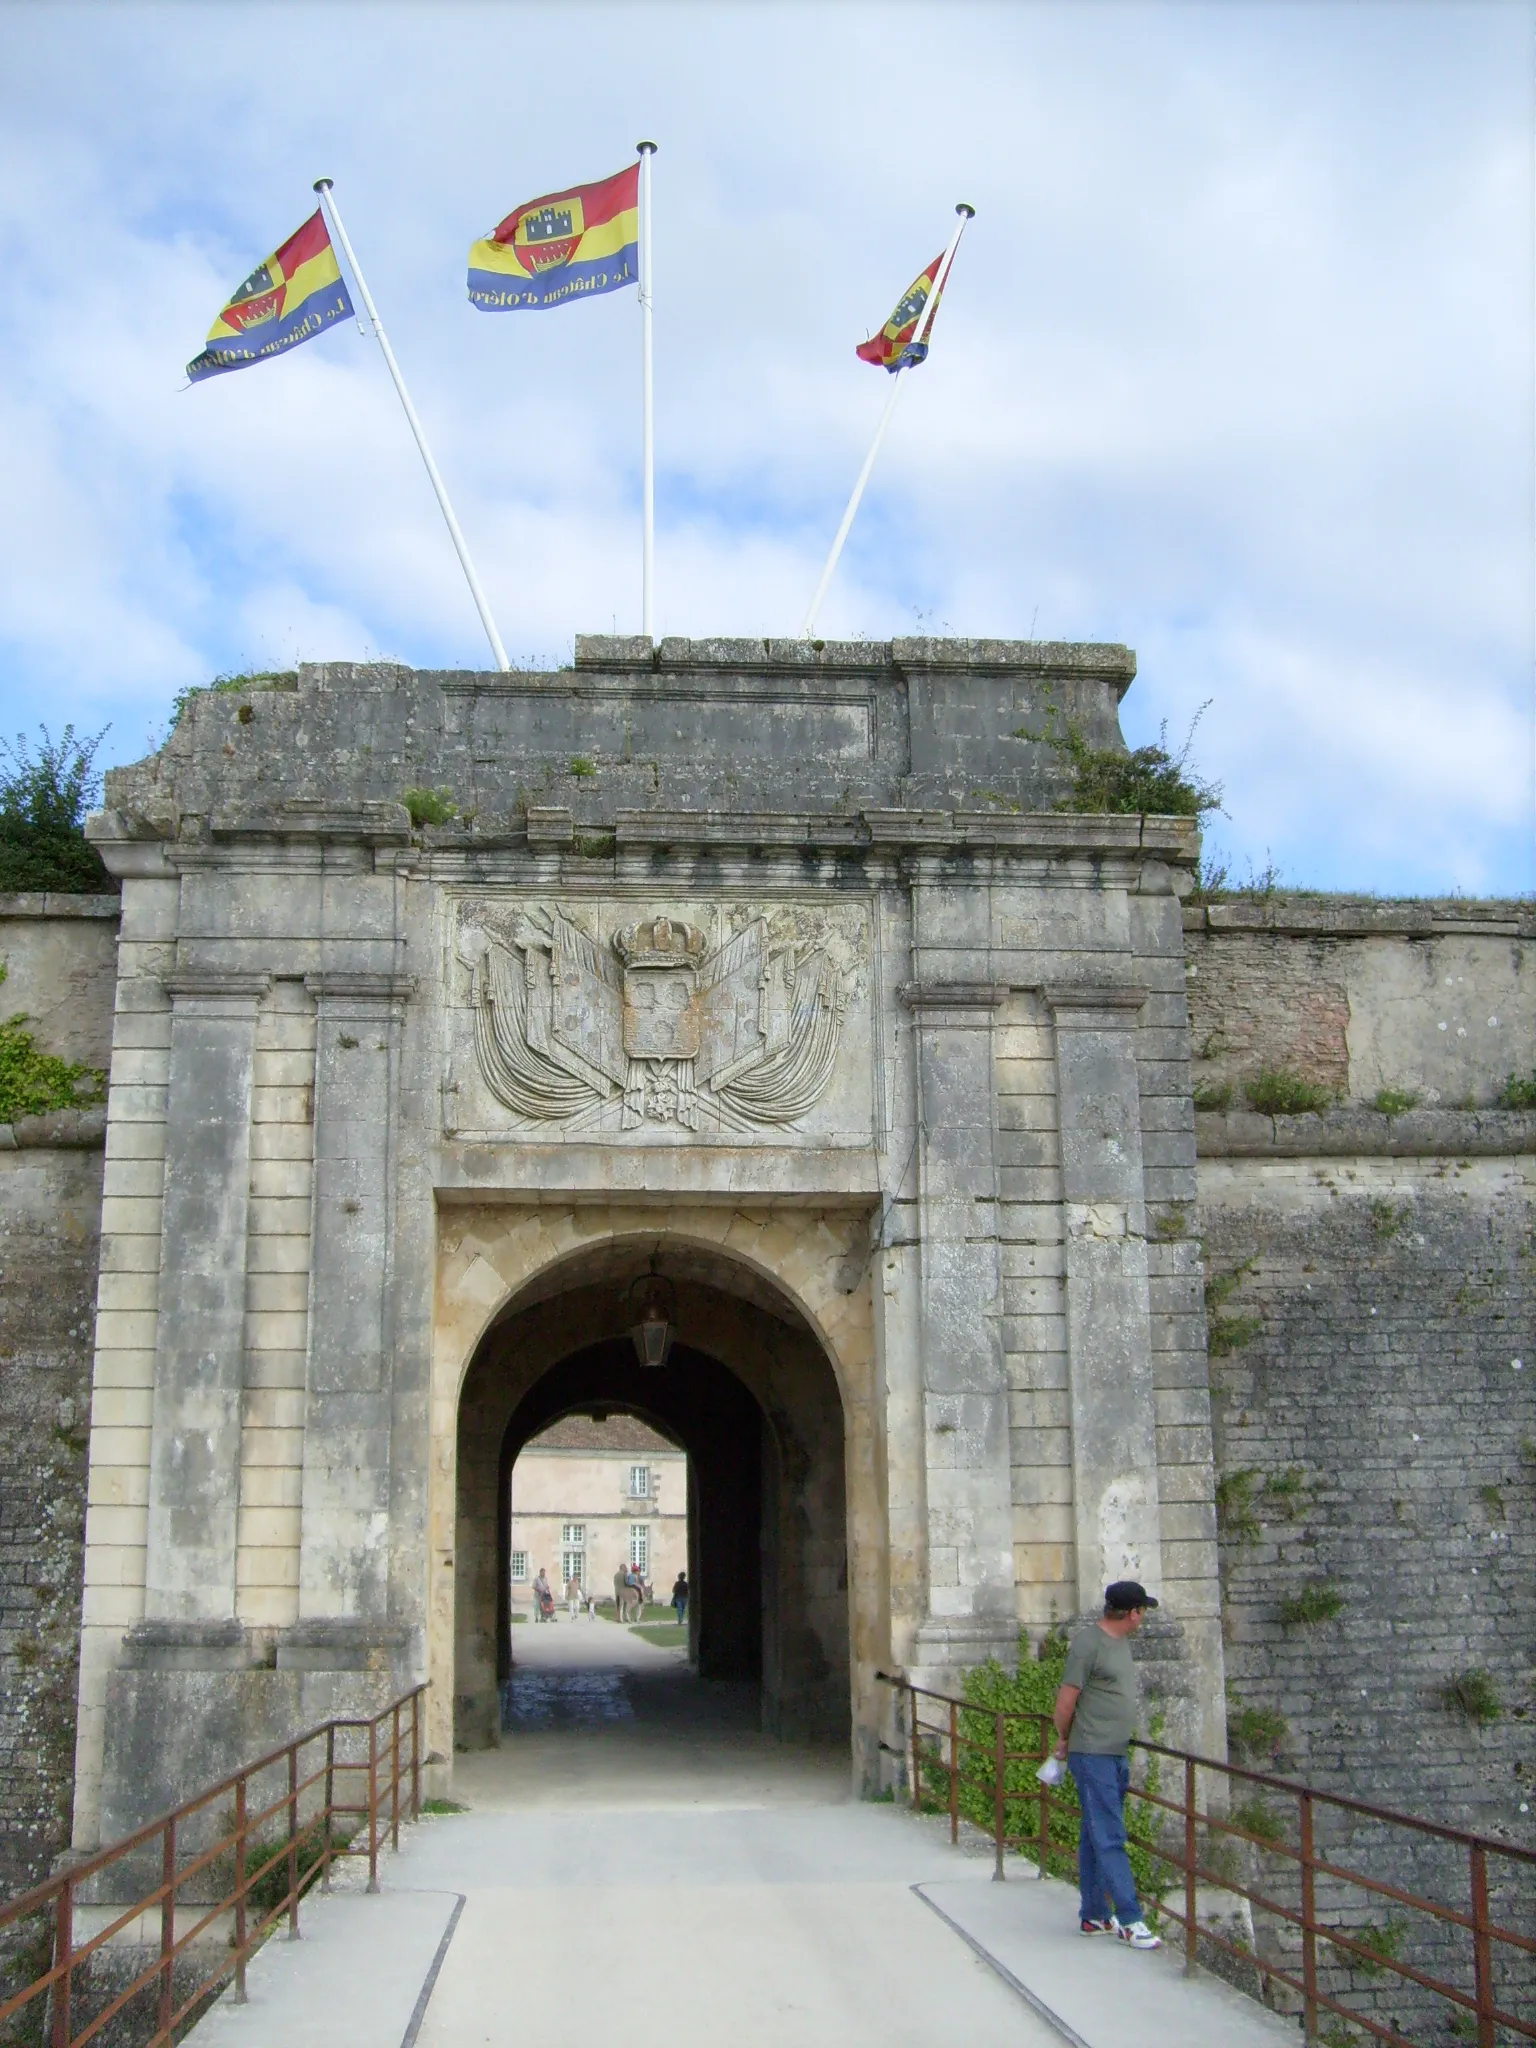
[[1095, 1717]]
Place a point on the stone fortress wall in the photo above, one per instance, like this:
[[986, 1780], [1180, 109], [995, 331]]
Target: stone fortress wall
[[1316, 1221]]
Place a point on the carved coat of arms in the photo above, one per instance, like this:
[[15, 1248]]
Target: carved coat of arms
[[565, 1024]]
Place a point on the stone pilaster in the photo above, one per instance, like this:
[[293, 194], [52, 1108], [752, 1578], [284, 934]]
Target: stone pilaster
[[1109, 1339], [971, 1606], [344, 1546], [194, 1483]]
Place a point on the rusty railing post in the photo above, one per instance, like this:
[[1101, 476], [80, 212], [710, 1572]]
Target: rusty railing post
[[373, 1805], [1308, 1921], [415, 1756], [293, 1841], [394, 1783], [1191, 1894], [63, 1959], [954, 1772], [1482, 1947], [1044, 1844], [240, 1920], [167, 1924], [328, 1840], [999, 1807], [917, 1781]]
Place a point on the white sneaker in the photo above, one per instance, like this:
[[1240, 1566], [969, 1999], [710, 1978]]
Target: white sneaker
[[1138, 1934]]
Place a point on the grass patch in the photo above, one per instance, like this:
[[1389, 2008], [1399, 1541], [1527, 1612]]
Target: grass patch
[[1492, 1499], [46, 793], [429, 806], [251, 679], [581, 765], [1395, 1101], [595, 845], [666, 1635], [1257, 1733], [1235, 1514], [1259, 1820], [436, 1806], [1226, 1334], [1518, 1092], [1213, 1095], [1278, 1091], [1384, 1941], [1388, 1218], [1315, 1603], [1474, 1696], [1285, 1494]]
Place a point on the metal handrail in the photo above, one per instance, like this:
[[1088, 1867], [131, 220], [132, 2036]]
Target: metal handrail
[[381, 1809], [945, 1744]]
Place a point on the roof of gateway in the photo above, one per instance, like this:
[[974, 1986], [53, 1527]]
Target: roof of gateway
[[617, 1433]]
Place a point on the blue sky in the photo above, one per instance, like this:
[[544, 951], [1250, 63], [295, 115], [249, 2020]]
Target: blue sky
[[1236, 365]]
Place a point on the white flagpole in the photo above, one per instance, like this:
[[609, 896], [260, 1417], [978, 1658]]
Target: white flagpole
[[328, 202], [966, 213], [648, 428]]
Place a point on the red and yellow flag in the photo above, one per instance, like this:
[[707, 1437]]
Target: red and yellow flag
[[893, 347], [296, 293], [567, 245]]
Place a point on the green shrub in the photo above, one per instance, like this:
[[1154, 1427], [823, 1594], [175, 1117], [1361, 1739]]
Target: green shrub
[[1519, 1092], [582, 765], [1314, 1603], [1259, 1820], [1474, 1696], [33, 1082], [429, 806], [46, 794], [1395, 1101], [442, 1806], [1276, 1091], [1386, 1942], [1144, 780], [1030, 1692], [1285, 1493]]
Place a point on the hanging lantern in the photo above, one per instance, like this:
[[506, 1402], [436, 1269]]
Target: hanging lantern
[[654, 1304]]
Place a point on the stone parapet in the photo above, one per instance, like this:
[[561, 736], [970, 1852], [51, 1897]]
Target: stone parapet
[[1355, 1132]]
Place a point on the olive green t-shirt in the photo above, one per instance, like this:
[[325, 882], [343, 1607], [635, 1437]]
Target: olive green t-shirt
[[1101, 1667]]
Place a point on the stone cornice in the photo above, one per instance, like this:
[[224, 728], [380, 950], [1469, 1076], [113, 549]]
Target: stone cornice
[[1094, 1006], [1351, 1133], [369, 823], [55, 903], [361, 988], [984, 996], [1345, 917], [214, 984]]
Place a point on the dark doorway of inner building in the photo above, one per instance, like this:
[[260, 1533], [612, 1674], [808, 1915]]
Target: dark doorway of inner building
[[747, 1391]]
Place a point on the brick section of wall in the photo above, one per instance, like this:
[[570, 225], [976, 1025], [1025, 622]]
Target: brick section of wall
[[1263, 999], [49, 1202], [1034, 1312], [276, 1308], [1393, 1298]]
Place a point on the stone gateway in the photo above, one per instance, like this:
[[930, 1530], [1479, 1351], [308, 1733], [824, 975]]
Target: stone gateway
[[755, 987]]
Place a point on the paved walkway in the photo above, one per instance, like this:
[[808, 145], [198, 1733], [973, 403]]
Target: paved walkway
[[640, 1864]]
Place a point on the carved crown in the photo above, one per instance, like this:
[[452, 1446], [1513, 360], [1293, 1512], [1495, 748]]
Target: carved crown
[[659, 942]]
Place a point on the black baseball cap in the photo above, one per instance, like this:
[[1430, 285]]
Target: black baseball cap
[[1125, 1595]]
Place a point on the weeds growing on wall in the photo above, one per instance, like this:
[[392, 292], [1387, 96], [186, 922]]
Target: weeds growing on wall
[[1474, 1696], [1276, 1091], [46, 793], [250, 680], [429, 806], [1031, 1691], [1226, 1334], [1257, 1733], [1213, 1095], [1313, 1604], [1394, 1101], [1519, 1092], [1236, 1515], [33, 1082], [1142, 780]]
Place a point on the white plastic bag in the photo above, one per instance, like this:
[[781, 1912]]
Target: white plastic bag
[[1052, 1771]]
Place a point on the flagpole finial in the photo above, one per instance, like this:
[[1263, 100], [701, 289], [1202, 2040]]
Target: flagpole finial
[[969, 212], [324, 184], [645, 148]]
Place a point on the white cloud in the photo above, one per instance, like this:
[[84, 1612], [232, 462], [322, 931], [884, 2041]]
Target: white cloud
[[1236, 365]]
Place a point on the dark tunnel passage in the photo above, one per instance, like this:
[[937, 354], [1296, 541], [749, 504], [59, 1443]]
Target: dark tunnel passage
[[705, 1408], [749, 1394]]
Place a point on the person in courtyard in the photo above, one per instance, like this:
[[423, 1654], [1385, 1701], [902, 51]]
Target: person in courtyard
[[634, 1595], [620, 1596], [573, 1596], [1095, 1717], [543, 1599], [680, 1597]]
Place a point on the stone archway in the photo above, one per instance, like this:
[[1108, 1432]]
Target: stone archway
[[775, 1304]]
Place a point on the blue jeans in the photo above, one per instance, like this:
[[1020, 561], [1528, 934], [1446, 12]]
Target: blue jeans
[[1103, 1869]]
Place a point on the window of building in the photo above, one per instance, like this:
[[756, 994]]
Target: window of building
[[640, 1547], [519, 1565], [575, 1534], [640, 1481], [573, 1565]]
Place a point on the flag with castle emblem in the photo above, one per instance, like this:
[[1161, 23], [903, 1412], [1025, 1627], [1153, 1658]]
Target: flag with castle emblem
[[567, 245], [291, 297], [894, 347]]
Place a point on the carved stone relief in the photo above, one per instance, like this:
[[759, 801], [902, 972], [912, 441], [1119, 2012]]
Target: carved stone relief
[[593, 1015]]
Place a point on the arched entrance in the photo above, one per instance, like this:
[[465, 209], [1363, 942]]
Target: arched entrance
[[774, 1415]]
